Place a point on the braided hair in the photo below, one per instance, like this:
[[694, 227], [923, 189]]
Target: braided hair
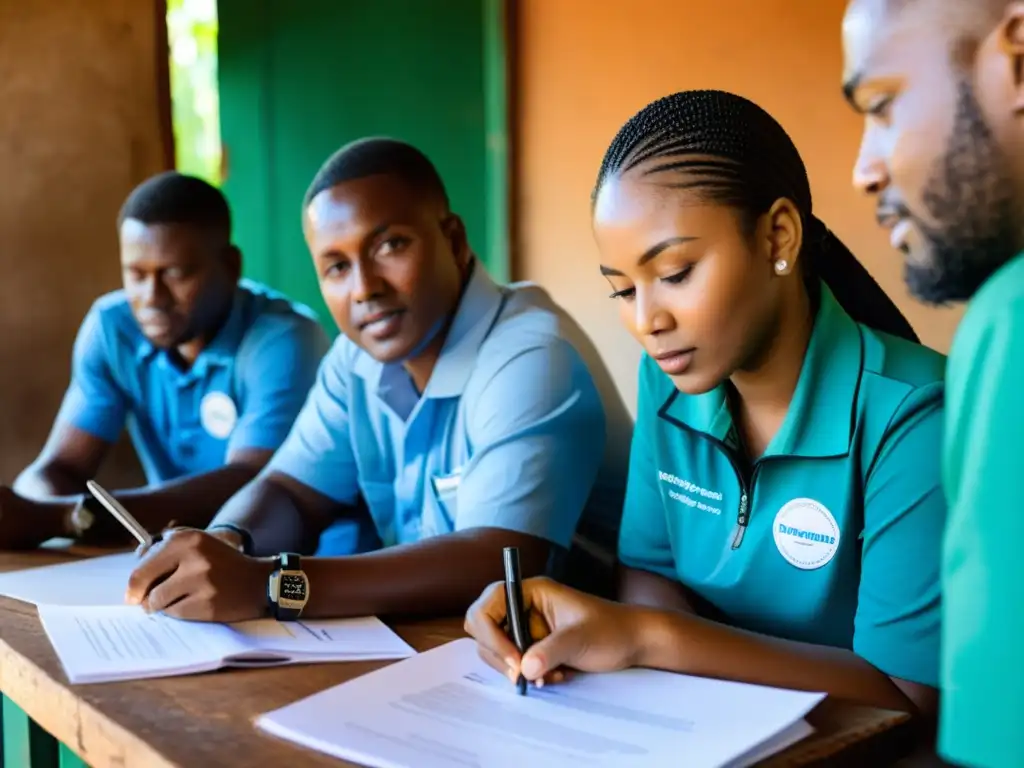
[[732, 152]]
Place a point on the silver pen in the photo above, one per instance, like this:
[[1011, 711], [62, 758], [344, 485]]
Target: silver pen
[[122, 515]]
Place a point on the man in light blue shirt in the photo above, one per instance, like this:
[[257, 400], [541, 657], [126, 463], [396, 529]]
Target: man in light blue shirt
[[460, 412], [207, 373]]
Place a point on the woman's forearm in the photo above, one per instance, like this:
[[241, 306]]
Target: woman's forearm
[[692, 645], [643, 588]]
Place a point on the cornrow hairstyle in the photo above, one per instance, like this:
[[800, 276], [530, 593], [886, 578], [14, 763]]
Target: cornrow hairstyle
[[175, 198], [378, 155], [728, 150]]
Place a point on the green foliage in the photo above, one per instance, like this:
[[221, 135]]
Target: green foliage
[[192, 35]]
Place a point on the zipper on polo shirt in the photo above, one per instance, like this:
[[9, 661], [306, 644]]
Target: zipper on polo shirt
[[741, 520], [746, 492], [746, 487]]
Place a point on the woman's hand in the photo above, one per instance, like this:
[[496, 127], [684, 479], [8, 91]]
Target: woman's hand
[[569, 629]]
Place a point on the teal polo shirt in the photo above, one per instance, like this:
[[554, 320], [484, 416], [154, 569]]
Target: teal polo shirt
[[982, 722], [833, 536]]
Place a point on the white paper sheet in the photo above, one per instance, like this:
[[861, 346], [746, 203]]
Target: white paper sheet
[[365, 637], [105, 643], [90, 581], [797, 732], [124, 643], [446, 709]]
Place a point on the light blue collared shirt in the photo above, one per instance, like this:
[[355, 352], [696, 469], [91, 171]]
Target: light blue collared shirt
[[244, 389], [509, 432]]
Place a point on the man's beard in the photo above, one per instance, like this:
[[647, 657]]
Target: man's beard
[[970, 195]]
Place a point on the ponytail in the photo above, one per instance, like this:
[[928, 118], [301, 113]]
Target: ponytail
[[853, 286]]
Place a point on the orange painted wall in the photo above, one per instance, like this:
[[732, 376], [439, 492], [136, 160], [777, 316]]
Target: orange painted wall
[[583, 67]]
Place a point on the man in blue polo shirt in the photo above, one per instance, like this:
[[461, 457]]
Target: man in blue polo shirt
[[206, 372], [458, 409]]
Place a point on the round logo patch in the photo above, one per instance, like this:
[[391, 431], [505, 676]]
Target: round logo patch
[[806, 534], [218, 415]]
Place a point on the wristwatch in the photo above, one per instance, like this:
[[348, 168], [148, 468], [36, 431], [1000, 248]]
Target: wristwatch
[[80, 519], [287, 588]]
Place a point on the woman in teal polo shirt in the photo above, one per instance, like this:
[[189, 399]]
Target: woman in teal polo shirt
[[783, 516]]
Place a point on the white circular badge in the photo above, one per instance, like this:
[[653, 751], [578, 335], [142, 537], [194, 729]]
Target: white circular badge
[[218, 415], [806, 534]]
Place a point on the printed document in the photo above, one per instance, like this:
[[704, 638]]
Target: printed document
[[446, 709], [89, 581], [105, 643]]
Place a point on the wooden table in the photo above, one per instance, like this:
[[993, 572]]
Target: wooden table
[[207, 720]]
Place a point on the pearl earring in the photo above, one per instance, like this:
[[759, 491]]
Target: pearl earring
[[781, 265]]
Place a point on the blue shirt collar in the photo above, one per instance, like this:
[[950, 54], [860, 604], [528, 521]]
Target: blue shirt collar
[[478, 307], [219, 352], [473, 320]]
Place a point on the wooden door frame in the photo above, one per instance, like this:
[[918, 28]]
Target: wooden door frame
[[499, 106]]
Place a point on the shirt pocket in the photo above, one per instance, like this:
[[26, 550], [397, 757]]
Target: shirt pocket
[[380, 501], [445, 489]]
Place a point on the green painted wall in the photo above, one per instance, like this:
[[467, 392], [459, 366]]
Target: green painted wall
[[299, 79]]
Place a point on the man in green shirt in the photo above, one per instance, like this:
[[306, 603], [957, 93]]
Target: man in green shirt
[[941, 86]]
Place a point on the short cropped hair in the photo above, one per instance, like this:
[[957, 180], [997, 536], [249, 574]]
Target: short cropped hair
[[378, 155], [176, 198]]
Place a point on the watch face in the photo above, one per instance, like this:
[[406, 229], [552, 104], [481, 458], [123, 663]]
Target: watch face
[[293, 587], [82, 520]]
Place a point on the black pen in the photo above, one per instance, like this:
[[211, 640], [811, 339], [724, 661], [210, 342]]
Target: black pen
[[518, 621]]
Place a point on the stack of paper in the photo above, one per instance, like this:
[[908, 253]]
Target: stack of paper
[[90, 581], [447, 709], [105, 643]]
